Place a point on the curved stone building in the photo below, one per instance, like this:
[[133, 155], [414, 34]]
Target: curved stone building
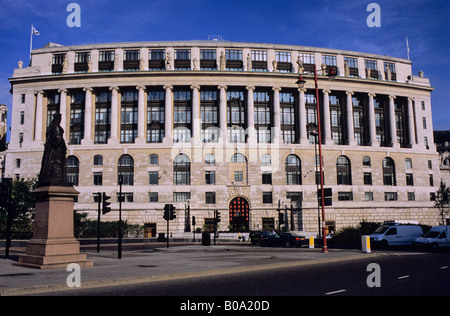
[[217, 125]]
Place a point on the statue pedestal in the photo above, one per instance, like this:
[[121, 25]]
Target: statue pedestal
[[53, 245]]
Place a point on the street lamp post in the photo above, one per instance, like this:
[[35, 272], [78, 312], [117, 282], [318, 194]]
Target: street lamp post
[[301, 81]]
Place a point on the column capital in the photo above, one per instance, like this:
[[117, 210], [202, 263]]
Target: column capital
[[412, 99], [222, 87], [195, 87], [250, 88], [85, 89], [371, 94], [114, 89], [168, 87], [302, 90], [349, 92], [393, 97], [36, 92], [63, 90], [277, 88], [141, 87], [327, 91]]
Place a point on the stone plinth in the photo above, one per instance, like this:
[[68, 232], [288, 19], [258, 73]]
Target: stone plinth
[[53, 245]]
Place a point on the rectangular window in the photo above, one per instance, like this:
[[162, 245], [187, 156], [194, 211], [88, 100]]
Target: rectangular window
[[424, 122], [210, 197], [411, 196], [308, 61], [182, 59], [210, 177], [259, 60], [352, 64], [181, 196], [131, 60], [22, 117], [234, 60], [267, 198], [153, 197], [153, 177], [98, 178], [367, 178], [157, 59], [294, 196], [368, 196], [409, 179], [267, 178], [283, 61], [345, 196], [390, 196], [238, 176], [208, 59]]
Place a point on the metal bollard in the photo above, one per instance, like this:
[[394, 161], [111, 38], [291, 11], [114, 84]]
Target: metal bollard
[[311, 242], [365, 241]]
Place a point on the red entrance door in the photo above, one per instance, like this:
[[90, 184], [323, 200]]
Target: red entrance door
[[239, 214]]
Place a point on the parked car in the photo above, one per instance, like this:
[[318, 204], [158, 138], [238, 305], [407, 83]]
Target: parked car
[[396, 235], [283, 239], [257, 236], [437, 237]]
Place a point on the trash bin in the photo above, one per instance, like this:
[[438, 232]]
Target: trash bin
[[161, 237], [206, 239]]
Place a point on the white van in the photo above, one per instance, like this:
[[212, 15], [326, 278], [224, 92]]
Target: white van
[[438, 236], [396, 235]]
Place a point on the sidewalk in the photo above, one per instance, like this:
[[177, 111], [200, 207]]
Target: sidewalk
[[159, 264]]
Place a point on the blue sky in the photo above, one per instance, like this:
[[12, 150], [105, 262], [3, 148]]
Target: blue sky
[[319, 23]]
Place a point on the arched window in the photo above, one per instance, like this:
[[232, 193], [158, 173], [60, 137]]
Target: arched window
[[389, 171], [182, 170], [153, 160], [125, 170], [238, 158], [344, 171], [72, 170], [293, 170]]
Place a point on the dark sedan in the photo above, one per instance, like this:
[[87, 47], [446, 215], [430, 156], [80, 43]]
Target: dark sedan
[[283, 239]]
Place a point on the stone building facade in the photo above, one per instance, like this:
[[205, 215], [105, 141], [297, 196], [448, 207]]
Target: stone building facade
[[217, 125]]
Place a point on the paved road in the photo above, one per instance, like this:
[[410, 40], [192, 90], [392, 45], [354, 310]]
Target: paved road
[[401, 274]]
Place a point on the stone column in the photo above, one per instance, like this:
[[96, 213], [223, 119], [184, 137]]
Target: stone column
[[87, 138], [168, 122], [141, 116], [277, 138], [392, 126], [196, 122], [251, 116], [371, 120], [302, 117], [326, 117], [114, 115], [350, 123], [39, 116], [223, 113], [411, 126], [63, 108]]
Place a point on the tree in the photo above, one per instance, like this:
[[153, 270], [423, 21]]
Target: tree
[[442, 201]]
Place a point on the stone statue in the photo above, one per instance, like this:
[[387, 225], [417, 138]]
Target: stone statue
[[141, 64], [20, 64], [324, 69], [65, 65], [195, 63], [168, 61], [346, 69], [301, 68], [249, 63], [223, 61], [53, 167], [275, 65], [388, 74]]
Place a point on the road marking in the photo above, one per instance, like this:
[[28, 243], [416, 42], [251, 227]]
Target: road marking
[[404, 277], [444, 267], [335, 292]]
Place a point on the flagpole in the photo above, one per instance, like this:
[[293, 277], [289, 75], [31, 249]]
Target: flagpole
[[31, 42], [407, 47]]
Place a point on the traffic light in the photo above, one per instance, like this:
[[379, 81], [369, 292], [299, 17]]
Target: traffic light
[[332, 71], [106, 205], [172, 214], [217, 216], [5, 191], [169, 212]]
